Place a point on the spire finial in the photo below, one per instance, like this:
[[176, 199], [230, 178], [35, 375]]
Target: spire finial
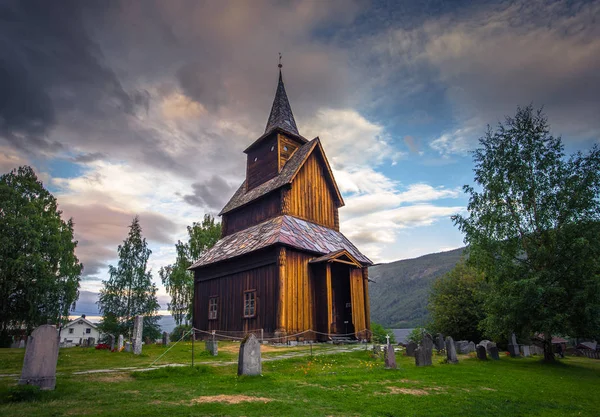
[[280, 61]]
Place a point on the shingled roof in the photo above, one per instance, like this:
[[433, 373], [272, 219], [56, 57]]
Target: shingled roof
[[287, 174], [285, 230], [281, 111]]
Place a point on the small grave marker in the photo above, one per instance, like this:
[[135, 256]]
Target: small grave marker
[[249, 361], [41, 355]]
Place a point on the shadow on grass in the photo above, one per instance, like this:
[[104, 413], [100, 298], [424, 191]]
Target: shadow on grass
[[173, 372]]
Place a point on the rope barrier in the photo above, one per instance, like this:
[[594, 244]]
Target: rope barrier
[[166, 351], [281, 337]]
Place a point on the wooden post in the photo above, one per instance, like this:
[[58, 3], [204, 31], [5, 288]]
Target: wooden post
[[281, 307], [329, 297], [367, 302], [193, 338]]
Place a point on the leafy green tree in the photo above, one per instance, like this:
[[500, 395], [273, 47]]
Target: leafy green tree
[[130, 291], [39, 272], [532, 227], [456, 303], [178, 281], [380, 333]]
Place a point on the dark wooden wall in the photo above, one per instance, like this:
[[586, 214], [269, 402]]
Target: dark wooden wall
[[228, 281], [266, 165], [311, 197], [254, 213], [299, 309]]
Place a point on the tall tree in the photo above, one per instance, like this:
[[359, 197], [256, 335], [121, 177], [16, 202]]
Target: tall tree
[[532, 227], [456, 303], [39, 272], [178, 281], [130, 291]]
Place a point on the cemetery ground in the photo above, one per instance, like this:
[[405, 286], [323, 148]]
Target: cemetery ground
[[332, 383]]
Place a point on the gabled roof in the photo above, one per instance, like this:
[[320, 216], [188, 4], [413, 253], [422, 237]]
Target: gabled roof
[[341, 255], [281, 111], [286, 176], [284, 230], [86, 321]]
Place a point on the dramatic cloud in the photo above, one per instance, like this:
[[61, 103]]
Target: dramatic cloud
[[212, 194]]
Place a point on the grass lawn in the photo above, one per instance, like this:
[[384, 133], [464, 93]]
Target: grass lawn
[[339, 384]]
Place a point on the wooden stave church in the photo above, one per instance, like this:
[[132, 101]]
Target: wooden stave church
[[281, 264]]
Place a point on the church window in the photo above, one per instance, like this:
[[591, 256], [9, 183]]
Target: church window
[[212, 308], [250, 303]]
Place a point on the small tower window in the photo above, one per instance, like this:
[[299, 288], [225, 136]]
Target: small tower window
[[255, 159], [272, 148], [285, 148]]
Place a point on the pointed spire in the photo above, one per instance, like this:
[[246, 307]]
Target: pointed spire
[[281, 112]]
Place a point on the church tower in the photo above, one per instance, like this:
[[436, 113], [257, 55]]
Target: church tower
[[282, 266]]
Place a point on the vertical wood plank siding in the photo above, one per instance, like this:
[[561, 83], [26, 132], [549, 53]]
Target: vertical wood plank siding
[[230, 289], [266, 165], [299, 282], [252, 214], [358, 300], [310, 196]]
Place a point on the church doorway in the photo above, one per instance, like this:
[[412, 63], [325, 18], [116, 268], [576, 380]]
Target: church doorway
[[342, 323]]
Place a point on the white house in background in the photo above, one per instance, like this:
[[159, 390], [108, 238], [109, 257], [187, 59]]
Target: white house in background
[[77, 330]]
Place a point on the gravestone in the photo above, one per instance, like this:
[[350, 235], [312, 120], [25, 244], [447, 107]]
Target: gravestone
[[525, 351], [451, 350], [462, 346], [120, 343], [487, 344], [249, 361], [471, 347], [513, 347], [481, 352], [423, 356], [165, 338], [410, 349], [91, 342], [138, 328], [111, 341], [21, 344], [427, 341], [212, 346], [128, 347], [440, 343], [390, 356], [41, 355], [494, 353]]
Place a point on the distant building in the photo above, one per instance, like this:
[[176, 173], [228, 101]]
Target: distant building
[[77, 330], [282, 264]]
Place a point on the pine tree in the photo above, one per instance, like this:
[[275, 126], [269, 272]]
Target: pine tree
[[130, 291]]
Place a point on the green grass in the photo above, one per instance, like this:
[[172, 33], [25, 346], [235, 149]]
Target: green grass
[[342, 384]]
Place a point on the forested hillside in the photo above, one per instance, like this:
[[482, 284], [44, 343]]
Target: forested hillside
[[400, 291]]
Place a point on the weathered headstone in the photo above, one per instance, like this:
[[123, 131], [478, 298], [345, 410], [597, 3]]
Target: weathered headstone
[[249, 361], [41, 355], [128, 347], [451, 350], [440, 345], [423, 356], [91, 342], [120, 343], [212, 346], [165, 338], [481, 352], [390, 356], [410, 348], [111, 341], [494, 353], [513, 347], [138, 327], [21, 344], [525, 351], [471, 347], [487, 344], [427, 341], [462, 346]]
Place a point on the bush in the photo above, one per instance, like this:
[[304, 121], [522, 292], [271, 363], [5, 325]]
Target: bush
[[416, 335], [179, 331], [379, 333]]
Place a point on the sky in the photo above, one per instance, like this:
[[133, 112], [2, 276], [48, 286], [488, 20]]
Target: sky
[[129, 108]]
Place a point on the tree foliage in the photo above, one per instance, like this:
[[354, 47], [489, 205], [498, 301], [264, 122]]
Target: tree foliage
[[532, 227], [39, 272], [130, 291], [380, 333], [176, 278], [456, 303]]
